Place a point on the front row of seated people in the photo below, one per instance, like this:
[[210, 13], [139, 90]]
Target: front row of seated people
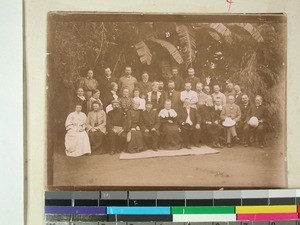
[[134, 130]]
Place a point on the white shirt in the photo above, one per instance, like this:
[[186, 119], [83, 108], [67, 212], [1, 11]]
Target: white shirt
[[188, 119], [219, 95], [192, 95]]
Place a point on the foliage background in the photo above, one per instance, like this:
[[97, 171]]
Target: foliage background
[[252, 55]]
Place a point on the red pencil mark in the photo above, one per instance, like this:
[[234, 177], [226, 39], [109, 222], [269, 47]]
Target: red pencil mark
[[230, 2]]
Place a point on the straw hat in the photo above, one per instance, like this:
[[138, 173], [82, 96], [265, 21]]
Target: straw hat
[[253, 122], [228, 122]]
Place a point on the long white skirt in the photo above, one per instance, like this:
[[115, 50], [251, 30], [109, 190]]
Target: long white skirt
[[77, 143]]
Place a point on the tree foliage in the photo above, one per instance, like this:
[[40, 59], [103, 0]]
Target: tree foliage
[[249, 54]]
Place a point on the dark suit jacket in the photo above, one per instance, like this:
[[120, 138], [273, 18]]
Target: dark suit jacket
[[107, 100], [144, 88], [193, 115], [149, 120], [175, 99], [245, 110], [105, 87], [260, 112], [116, 117]]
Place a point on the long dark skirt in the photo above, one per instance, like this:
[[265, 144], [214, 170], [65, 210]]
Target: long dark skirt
[[170, 138], [96, 140], [136, 142]]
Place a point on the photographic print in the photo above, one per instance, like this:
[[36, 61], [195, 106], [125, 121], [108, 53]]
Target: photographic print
[[177, 101]]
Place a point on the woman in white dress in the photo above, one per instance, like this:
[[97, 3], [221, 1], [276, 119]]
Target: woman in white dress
[[76, 140], [141, 101]]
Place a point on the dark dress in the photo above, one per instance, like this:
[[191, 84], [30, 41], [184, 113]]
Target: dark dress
[[150, 120], [134, 121], [105, 86], [170, 137]]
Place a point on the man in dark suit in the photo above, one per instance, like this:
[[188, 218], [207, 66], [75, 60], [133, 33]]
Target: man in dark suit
[[174, 96], [144, 85], [190, 125], [192, 78], [116, 128], [178, 80], [260, 112], [105, 84], [150, 127], [245, 109], [238, 94]]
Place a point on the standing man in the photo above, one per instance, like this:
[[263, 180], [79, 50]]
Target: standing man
[[145, 86], [229, 90], [178, 80], [192, 78], [155, 97], [105, 84], [96, 127], [173, 96], [127, 81], [88, 84], [189, 93], [231, 114], [190, 125], [116, 128], [161, 86], [218, 95], [238, 95], [150, 127], [201, 95], [259, 112]]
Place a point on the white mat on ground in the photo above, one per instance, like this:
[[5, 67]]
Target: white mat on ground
[[165, 153]]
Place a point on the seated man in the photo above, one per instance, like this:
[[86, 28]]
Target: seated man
[[116, 128], [257, 112], [150, 127], [210, 117], [190, 125], [231, 113], [155, 97], [96, 127], [245, 107]]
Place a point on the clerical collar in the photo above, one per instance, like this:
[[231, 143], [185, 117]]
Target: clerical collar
[[108, 77], [246, 104]]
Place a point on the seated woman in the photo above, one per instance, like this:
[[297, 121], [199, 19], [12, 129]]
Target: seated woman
[[170, 132], [126, 102], [136, 98], [81, 100], [95, 98], [134, 127], [96, 127], [76, 140]]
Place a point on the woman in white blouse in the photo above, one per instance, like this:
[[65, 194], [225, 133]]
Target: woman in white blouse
[[141, 101]]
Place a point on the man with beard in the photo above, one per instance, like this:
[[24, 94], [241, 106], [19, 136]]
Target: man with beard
[[144, 86], [116, 128], [105, 84], [178, 80], [229, 90], [192, 78], [245, 110], [150, 127], [174, 96], [127, 81], [259, 113], [201, 95], [190, 125]]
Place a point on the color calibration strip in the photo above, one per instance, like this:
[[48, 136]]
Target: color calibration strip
[[264, 207]]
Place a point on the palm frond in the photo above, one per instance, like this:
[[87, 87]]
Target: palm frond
[[223, 30], [188, 43], [251, 30], [144, 52], [169, 47]]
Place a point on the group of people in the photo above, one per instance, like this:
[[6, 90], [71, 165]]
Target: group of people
[[134, 116]]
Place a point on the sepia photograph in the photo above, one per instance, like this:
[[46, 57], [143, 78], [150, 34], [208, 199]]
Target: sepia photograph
[[177, 101]]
